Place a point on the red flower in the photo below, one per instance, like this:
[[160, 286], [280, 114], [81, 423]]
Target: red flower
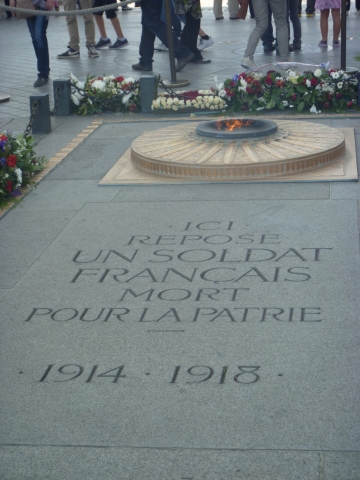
[[249, 79], [269, 81], [11, 161], [242, 75], [349, 104], [9, 186], [232, 84], [293, 96], [329, 96], [119, 79], [280, 83], [314, 82], [3, 138], [250, 90], [327, 105], [338, 95]]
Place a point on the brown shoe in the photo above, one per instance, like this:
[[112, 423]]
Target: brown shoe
[[140, 66]]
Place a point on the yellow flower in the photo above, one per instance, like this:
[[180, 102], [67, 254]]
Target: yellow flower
[[294, 79]]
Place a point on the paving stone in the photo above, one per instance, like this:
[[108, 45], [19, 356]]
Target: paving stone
[[341, 465], [299, 376], [62, 463], [69, 195]]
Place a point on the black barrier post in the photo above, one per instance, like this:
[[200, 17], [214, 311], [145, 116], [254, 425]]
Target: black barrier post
[[41, 122], [358, 79], [62, 97], [343, 35], [148, 89], [170, 40]]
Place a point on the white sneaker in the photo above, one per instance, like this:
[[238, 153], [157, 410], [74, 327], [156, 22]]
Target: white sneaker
[[205, 43], [92, 52], [247, 63], [161, 47]]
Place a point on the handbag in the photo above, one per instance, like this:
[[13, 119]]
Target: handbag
[[26, 4]]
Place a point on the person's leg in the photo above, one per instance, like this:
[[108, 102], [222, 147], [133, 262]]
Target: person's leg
[[8, 14], [310, 7], [190, 34], [251, 9], [268, 36], [296, 24], [88, 22], [233, 8], [357, 5], [299, 9], [37, 27], [282, 32], [335, 12], [261, 19], [217, 9], [72, 24], [324, 24], [347, 5], [117, 27], [146, 49], [101, 25]]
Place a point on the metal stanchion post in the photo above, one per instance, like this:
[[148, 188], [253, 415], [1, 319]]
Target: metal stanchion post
[[41, 122], [343, 35], [173, 82]]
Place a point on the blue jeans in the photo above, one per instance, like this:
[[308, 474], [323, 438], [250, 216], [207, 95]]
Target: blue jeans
[[175, 20], [37, 27], [153, 26]]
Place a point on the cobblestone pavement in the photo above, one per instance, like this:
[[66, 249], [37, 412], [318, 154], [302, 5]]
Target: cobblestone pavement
[[18, 71]]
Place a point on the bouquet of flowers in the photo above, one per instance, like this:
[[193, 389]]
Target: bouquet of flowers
[[188, 102], [108, 93], [18, 163], [321, 90]]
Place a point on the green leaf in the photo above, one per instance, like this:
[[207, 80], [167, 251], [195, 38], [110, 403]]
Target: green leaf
[[270, 105], [301, 88], [300, 107]]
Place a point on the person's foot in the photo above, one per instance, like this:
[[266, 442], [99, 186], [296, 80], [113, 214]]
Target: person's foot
[[336, 43], [103, 43], [160, 47], [140, 66], [92, 52], [219, 18], [234, 18], [269, 48], [323, 44], [119, 44], [310, 14], [182, 62], [41, 81], [201, 61], [126, 8], [296, 46], [205, 43], [247, 63], [70, 53]]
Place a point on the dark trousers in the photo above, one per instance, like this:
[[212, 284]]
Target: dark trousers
[[189, 35], [37, 27], [292, 6], [310, 6], [252, 15], [267, 37], [8, 14], [153, 27]]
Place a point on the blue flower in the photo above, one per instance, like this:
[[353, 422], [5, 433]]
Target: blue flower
[[235, 77], [16, 192], [2, 162]]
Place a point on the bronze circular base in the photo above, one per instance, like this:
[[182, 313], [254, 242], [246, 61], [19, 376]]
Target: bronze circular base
[[178, 152]]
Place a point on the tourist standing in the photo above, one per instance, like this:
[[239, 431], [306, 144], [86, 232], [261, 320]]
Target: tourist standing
[[105, 41], [261, 12], [325, 6], [233, 9], [73, 50], [37, 26]]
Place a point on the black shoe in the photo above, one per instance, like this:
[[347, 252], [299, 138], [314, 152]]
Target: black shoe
[[296, 47], [70, 53], [269, 48], [201, 61], [41, 81], [219, 18], [291, 48], [140, 66], [184, 61]]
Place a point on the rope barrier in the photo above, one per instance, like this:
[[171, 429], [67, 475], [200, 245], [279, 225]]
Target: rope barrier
[[69, 13]]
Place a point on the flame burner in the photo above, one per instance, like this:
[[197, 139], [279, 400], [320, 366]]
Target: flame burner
[[237, 128]]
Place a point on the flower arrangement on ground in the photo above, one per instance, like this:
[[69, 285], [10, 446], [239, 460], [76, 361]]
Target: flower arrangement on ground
[[321, 90], [185, 102], [108, 93], [18, 163]]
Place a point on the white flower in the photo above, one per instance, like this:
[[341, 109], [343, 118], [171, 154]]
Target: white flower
[[75, 99], [174, 107], [313, 110], [260, 108], [306, 93], [176, 100], [318, 72], [6, 175], [126, 98], [285, 103], [335, 75], [291, 106], [308, 83], [73, 78], [129, 80], [80, 84], [222, 93], [339, 85], [18, 174], [292, 74], [99, 85], [188, 103]]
